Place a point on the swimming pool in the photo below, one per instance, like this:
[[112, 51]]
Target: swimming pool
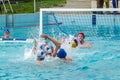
[[98, 63], [25, 25]]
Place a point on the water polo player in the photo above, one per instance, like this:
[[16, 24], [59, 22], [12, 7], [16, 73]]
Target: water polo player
[[80, 42], [45, 50]]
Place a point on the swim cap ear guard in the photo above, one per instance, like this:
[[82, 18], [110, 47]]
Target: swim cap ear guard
[[48, 49], [40, 55]]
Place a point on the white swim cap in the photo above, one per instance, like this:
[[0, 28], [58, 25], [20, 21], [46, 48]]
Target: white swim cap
[[41, 53]]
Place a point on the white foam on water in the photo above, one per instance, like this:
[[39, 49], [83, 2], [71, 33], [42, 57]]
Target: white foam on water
[[27, 54]]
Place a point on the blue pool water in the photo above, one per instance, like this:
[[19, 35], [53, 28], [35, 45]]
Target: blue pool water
[[25, 25], [98, 63], [101, 62], [23, 33]]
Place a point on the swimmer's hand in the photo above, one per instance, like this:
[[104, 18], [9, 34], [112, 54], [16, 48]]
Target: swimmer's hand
[[44, 36]]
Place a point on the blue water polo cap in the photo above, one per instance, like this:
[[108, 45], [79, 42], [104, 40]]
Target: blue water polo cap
[[6, 30], [61, 53]]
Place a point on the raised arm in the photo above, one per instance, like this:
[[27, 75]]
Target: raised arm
[[34, 47]]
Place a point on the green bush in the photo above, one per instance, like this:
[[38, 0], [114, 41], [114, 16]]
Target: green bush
[[25, 6]]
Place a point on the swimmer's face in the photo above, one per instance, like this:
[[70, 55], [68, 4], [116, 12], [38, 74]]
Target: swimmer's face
[[80, 37], [6, 33]]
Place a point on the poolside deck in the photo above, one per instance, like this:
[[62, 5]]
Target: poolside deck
[[78, 4], [83, 4]]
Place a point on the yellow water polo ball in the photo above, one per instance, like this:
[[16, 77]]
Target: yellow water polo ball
[[73, 44], [106, 0]]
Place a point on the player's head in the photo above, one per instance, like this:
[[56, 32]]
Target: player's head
[[6, 31], [81, 36]]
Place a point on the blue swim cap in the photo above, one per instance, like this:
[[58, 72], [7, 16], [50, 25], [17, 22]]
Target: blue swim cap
[[61, 53], [40, 55], [6, 30]]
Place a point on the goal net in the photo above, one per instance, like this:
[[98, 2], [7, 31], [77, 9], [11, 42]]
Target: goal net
[[97, 23]]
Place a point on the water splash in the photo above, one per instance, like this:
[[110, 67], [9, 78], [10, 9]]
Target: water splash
[[27, 54]]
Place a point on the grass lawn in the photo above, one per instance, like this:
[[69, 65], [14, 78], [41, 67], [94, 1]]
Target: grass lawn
[[28, 7]]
